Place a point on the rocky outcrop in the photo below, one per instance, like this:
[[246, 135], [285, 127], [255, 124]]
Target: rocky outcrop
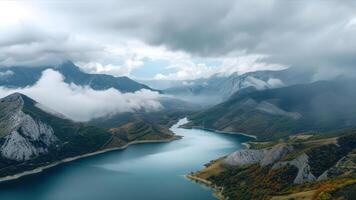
[[276, 153], [272, 155], [23, 136], [244, 157], [301, 163], [263, 157]]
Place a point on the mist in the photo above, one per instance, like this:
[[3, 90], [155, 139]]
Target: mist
[[83, 103]]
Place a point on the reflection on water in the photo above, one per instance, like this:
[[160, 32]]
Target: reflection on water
[[142, 171]]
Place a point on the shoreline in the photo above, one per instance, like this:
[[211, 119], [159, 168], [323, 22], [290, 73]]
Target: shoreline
[[217, 190], [225, 132], [246, 144], [67, 160]]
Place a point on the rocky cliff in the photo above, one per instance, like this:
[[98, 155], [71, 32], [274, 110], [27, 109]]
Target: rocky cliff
[[263, 157], [23, 136], [304, 164]]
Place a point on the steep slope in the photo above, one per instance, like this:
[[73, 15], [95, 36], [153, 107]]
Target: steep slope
[[276, 113], [290, 169], [15, 77], [32, 136]]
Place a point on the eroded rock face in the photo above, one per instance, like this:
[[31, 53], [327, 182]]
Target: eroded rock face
[[263, 157], [245, 157], [25, 137], [276, 153], [301, 162]]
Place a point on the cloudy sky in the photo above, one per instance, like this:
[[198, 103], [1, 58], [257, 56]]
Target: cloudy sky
[[180, 39]]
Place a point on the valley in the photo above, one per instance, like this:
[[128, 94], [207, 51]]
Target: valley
[[177, 100], [32, 137], [156, 169]]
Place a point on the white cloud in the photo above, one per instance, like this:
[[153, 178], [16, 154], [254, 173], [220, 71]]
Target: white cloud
[[83, 103], [351, 23], [247, 63], [12, 12], [188, 70], [274, 83], [124, 57]]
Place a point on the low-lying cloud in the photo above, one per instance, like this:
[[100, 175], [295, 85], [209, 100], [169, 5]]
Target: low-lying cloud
[[83, 103]]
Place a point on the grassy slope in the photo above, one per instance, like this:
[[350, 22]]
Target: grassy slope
[[323, 106], [256, 182], [140, 129]]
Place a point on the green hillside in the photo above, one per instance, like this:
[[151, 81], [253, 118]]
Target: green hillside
[[277, 113]]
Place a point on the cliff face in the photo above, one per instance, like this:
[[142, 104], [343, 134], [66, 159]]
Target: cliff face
[[263, 157], [305, 163], [272, 156], [24, 137], [302, 164], [31, 136]]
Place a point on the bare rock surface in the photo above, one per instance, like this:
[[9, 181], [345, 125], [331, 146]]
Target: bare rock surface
[[23, 136], [263, 157], [301, 162]]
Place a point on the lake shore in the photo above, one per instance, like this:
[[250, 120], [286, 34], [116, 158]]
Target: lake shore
[[66, 160], [247, 145], [218, 131], [217, 190]]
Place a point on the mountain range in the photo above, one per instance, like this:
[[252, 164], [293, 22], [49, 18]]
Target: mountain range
[[15, 76], [275, 113], [220, 87]]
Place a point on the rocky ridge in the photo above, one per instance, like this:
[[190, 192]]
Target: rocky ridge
[[24, 137]]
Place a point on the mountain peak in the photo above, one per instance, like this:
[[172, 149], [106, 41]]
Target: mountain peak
[[18, 98], [68, 66], [13, 97]]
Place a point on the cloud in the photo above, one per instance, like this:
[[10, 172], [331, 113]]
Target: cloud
[[83, 103], [189, 70], [307, 34]]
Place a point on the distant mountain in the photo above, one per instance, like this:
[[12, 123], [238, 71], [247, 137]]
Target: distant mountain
[[15, 77], [218, 87], [32, 135], [276, 113]]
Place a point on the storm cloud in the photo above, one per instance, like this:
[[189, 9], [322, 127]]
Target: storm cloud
[[317, 34]]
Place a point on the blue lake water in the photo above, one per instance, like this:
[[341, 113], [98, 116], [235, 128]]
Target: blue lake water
[[151, 171]]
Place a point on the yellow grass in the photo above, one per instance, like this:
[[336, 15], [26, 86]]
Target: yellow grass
[[213, 168], [307, 195]]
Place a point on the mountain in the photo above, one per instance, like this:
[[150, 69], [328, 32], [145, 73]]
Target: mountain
[[280, 112], [219, 87], [14, 77], [32, 135], [295, 168], [139, 130]]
